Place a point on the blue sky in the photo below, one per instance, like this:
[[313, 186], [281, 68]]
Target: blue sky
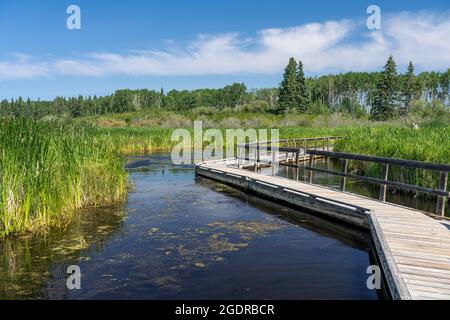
[[194, 44]]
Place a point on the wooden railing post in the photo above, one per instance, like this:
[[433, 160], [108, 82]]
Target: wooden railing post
[[344, 167], [305, 146], [256, 157], [297, 161], [239, 156], [443, 179], [311, 164], [383, 187], [273, 159], [287, 153]]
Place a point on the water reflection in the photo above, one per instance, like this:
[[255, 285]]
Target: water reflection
[[27, 264], [178, 237]]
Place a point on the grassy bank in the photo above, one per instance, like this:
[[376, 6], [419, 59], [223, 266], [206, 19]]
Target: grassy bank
[[50, 170]]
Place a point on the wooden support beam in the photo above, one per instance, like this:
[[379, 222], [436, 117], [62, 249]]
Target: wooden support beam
[[344, 167], [305, 146], [273, 162], [256, 158], [383, 187], [311, 165], [239, 157], [443, 179], [297, 161]]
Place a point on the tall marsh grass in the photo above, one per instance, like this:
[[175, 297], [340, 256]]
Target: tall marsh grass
[[48, 170], [430, 143]]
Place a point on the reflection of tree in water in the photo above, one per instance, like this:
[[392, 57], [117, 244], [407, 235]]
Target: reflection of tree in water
[[26, 263]]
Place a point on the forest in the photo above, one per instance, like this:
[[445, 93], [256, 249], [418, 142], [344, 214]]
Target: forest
[[379, 95]]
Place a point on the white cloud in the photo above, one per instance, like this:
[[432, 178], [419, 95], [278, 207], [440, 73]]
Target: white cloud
[[323, 47], [423, 38], [22, 67]]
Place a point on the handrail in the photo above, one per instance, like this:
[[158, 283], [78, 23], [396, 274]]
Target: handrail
[[400, 162], [400, 185], [295, 151], [287, 140], [303, 150], [384, 182]]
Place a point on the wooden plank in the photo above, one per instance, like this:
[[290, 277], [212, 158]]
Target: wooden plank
[[409, 275], [428, 284], [422, 239], [437, 293], [416, 270], [423, 263], [422, 256], [431, 249]]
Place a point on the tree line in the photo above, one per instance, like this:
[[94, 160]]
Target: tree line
[[379, 95], [127, 100]]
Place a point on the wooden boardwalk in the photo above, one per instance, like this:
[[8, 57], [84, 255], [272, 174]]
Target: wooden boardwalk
[[413, 248]]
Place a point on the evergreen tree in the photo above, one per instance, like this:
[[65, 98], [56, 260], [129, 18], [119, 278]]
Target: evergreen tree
[[19, 108], [302, 98], [410, 90], [288, 91], [385, 102]]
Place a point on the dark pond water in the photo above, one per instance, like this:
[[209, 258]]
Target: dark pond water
[[178, 237]]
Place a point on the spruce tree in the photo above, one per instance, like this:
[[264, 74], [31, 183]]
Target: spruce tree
[[385, 102], [302, 97], [410, 90], [288, 91]]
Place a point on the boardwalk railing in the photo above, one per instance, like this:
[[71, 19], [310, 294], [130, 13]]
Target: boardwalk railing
[[266, 152], [292, 151], [344, 158]]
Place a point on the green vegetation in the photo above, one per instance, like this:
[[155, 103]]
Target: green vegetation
[[49, 170], [431, 143]]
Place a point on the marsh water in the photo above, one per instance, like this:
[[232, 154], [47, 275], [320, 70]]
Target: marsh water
[[181, 237]]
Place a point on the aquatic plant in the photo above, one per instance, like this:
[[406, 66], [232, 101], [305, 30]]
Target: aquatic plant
[[47, 170]]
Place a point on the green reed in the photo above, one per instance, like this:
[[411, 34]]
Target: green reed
[[48, 170]]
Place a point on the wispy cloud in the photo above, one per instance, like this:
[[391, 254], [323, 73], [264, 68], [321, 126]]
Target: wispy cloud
[[21, 66], [324, 47]]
